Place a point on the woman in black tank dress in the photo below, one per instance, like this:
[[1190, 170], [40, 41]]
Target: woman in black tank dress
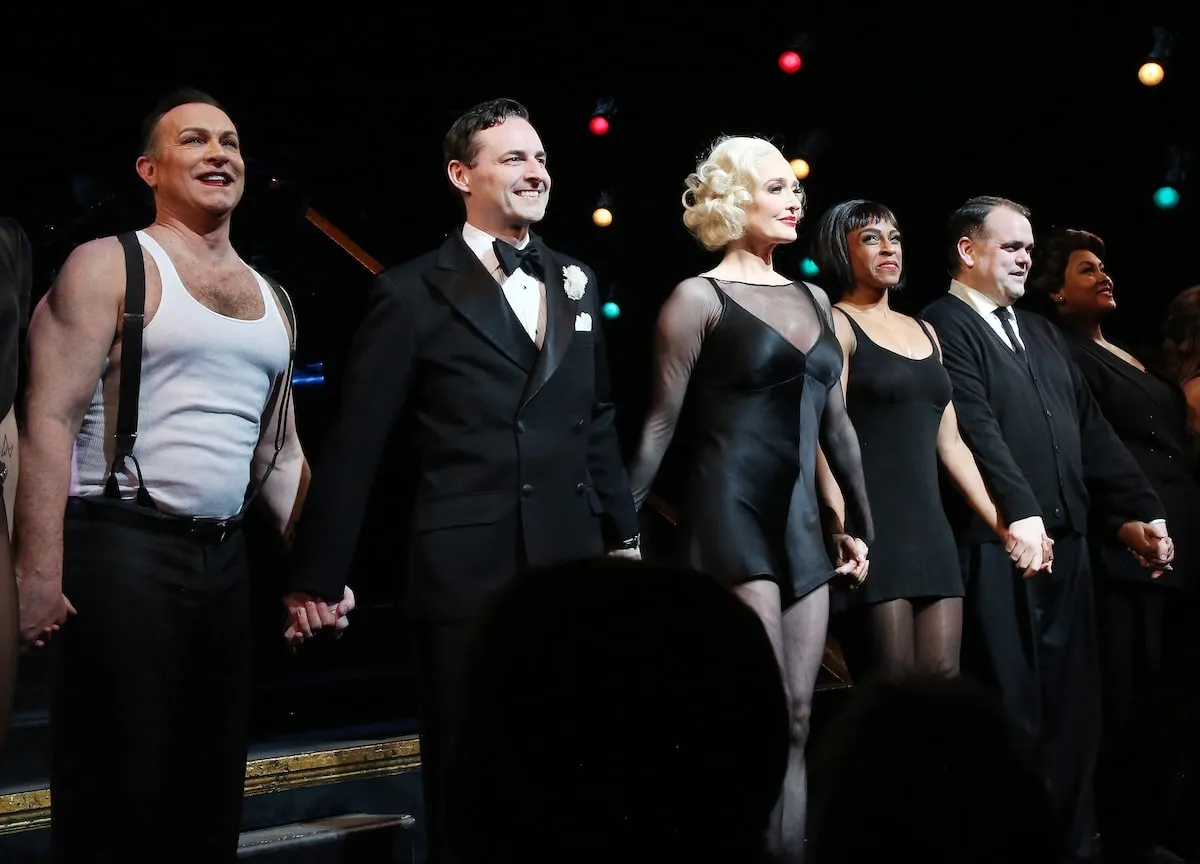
[[757, 357], [898, 396]]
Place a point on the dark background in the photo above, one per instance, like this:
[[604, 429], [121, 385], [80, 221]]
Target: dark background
[[345, 110]]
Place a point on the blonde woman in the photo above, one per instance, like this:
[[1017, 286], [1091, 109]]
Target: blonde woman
[[757, 357]]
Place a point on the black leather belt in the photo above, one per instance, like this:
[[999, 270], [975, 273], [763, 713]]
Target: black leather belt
[[201, 530]]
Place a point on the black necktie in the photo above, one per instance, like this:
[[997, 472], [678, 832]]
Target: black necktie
[[1006, 318], [528, 259]]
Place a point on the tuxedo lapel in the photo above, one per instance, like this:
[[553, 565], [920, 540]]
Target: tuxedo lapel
[[472, 291], [560, 326]]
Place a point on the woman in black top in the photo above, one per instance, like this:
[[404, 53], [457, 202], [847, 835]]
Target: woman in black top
[[1140, 612]]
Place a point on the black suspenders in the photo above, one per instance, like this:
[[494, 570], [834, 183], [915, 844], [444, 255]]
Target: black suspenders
[[132, 324]]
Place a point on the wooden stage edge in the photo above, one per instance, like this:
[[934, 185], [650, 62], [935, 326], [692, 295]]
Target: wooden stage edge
[[30, 810]]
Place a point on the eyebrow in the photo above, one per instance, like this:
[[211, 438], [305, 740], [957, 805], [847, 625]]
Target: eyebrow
[[201, 129], [521, 153]]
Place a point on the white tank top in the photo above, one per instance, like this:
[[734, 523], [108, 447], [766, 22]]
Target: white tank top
[[206, 379]]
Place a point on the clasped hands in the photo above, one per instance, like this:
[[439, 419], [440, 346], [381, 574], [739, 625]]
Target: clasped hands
[[1150, 544], [309, 616], [1029, 547], [850, 558]]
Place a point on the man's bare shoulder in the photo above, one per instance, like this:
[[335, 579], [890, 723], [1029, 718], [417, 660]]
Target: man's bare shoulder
[[95, 269]]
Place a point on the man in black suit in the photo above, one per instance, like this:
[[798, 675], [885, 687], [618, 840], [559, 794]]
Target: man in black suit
[[1045, 450], [493, 343]]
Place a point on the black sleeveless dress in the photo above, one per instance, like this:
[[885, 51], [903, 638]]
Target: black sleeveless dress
[[756, 404], [896, 405]]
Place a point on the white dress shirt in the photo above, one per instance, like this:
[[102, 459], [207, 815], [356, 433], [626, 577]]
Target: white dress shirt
[[523, 291], [986, 307]]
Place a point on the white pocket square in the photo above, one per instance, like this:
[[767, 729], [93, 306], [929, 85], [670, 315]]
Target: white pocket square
[[583, 322]]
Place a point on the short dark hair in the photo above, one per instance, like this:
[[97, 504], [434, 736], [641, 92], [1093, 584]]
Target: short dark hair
[[460, 143], [182, 96], [832, 245], [1050, 270], [969, 221]]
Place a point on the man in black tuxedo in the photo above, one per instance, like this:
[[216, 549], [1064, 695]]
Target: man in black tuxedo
[[1045, 451], [493, 344]]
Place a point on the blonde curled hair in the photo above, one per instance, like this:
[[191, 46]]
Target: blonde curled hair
[[721, 188]]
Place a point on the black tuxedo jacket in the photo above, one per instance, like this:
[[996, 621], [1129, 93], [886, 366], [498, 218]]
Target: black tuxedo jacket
[[518, 456], [1039, 438]]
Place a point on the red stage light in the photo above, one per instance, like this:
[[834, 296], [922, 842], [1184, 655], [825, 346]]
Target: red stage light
[[789, 62], [598, 125]]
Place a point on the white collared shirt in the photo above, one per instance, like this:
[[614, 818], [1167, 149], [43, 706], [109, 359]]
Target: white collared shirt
[[986, 307], [523, 292]]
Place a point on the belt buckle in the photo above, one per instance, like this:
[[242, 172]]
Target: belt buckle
[[216, 530]]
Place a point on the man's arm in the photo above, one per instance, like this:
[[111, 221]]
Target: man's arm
[[604, 451], [375, 385], [70, 335], [284, 489], [980, 429]]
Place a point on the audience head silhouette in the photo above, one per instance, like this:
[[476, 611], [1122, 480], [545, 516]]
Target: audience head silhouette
[[613, 710], [928, 769]]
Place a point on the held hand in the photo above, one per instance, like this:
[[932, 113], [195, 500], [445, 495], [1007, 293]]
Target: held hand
[[43, 609], [850, 558], [309, 615], [1028, 546], [1150, 544]]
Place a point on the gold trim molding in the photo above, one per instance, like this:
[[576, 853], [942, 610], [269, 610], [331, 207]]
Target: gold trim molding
[[30, 810]]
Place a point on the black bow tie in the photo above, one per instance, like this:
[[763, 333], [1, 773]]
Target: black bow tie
[[528, 259]]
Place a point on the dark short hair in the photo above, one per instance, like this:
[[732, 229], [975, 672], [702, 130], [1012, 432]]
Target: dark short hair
[[969, 221], [460, 143], [182, 96], [1054, 254], [832, 244]]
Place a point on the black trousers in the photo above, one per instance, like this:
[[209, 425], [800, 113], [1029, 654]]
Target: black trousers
[[442, 649], [150, 697], [1035, 640]]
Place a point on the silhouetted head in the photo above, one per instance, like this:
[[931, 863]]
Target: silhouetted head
[[615, 710], [930, 770]]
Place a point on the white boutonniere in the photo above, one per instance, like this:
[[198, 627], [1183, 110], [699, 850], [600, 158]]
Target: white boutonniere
[[574, 282]]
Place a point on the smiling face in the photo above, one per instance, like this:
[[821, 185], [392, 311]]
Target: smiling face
[[507, 187], [195, 163], [876, 257], [778, 204], [1087, 290]]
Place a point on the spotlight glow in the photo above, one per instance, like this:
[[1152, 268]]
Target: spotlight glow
[[790, 62], [1151, 74], [1166, 197], [800, 168], [602, 216], [599, 125]]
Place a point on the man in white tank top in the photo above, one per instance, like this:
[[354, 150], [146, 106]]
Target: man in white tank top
[[151, 697]]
